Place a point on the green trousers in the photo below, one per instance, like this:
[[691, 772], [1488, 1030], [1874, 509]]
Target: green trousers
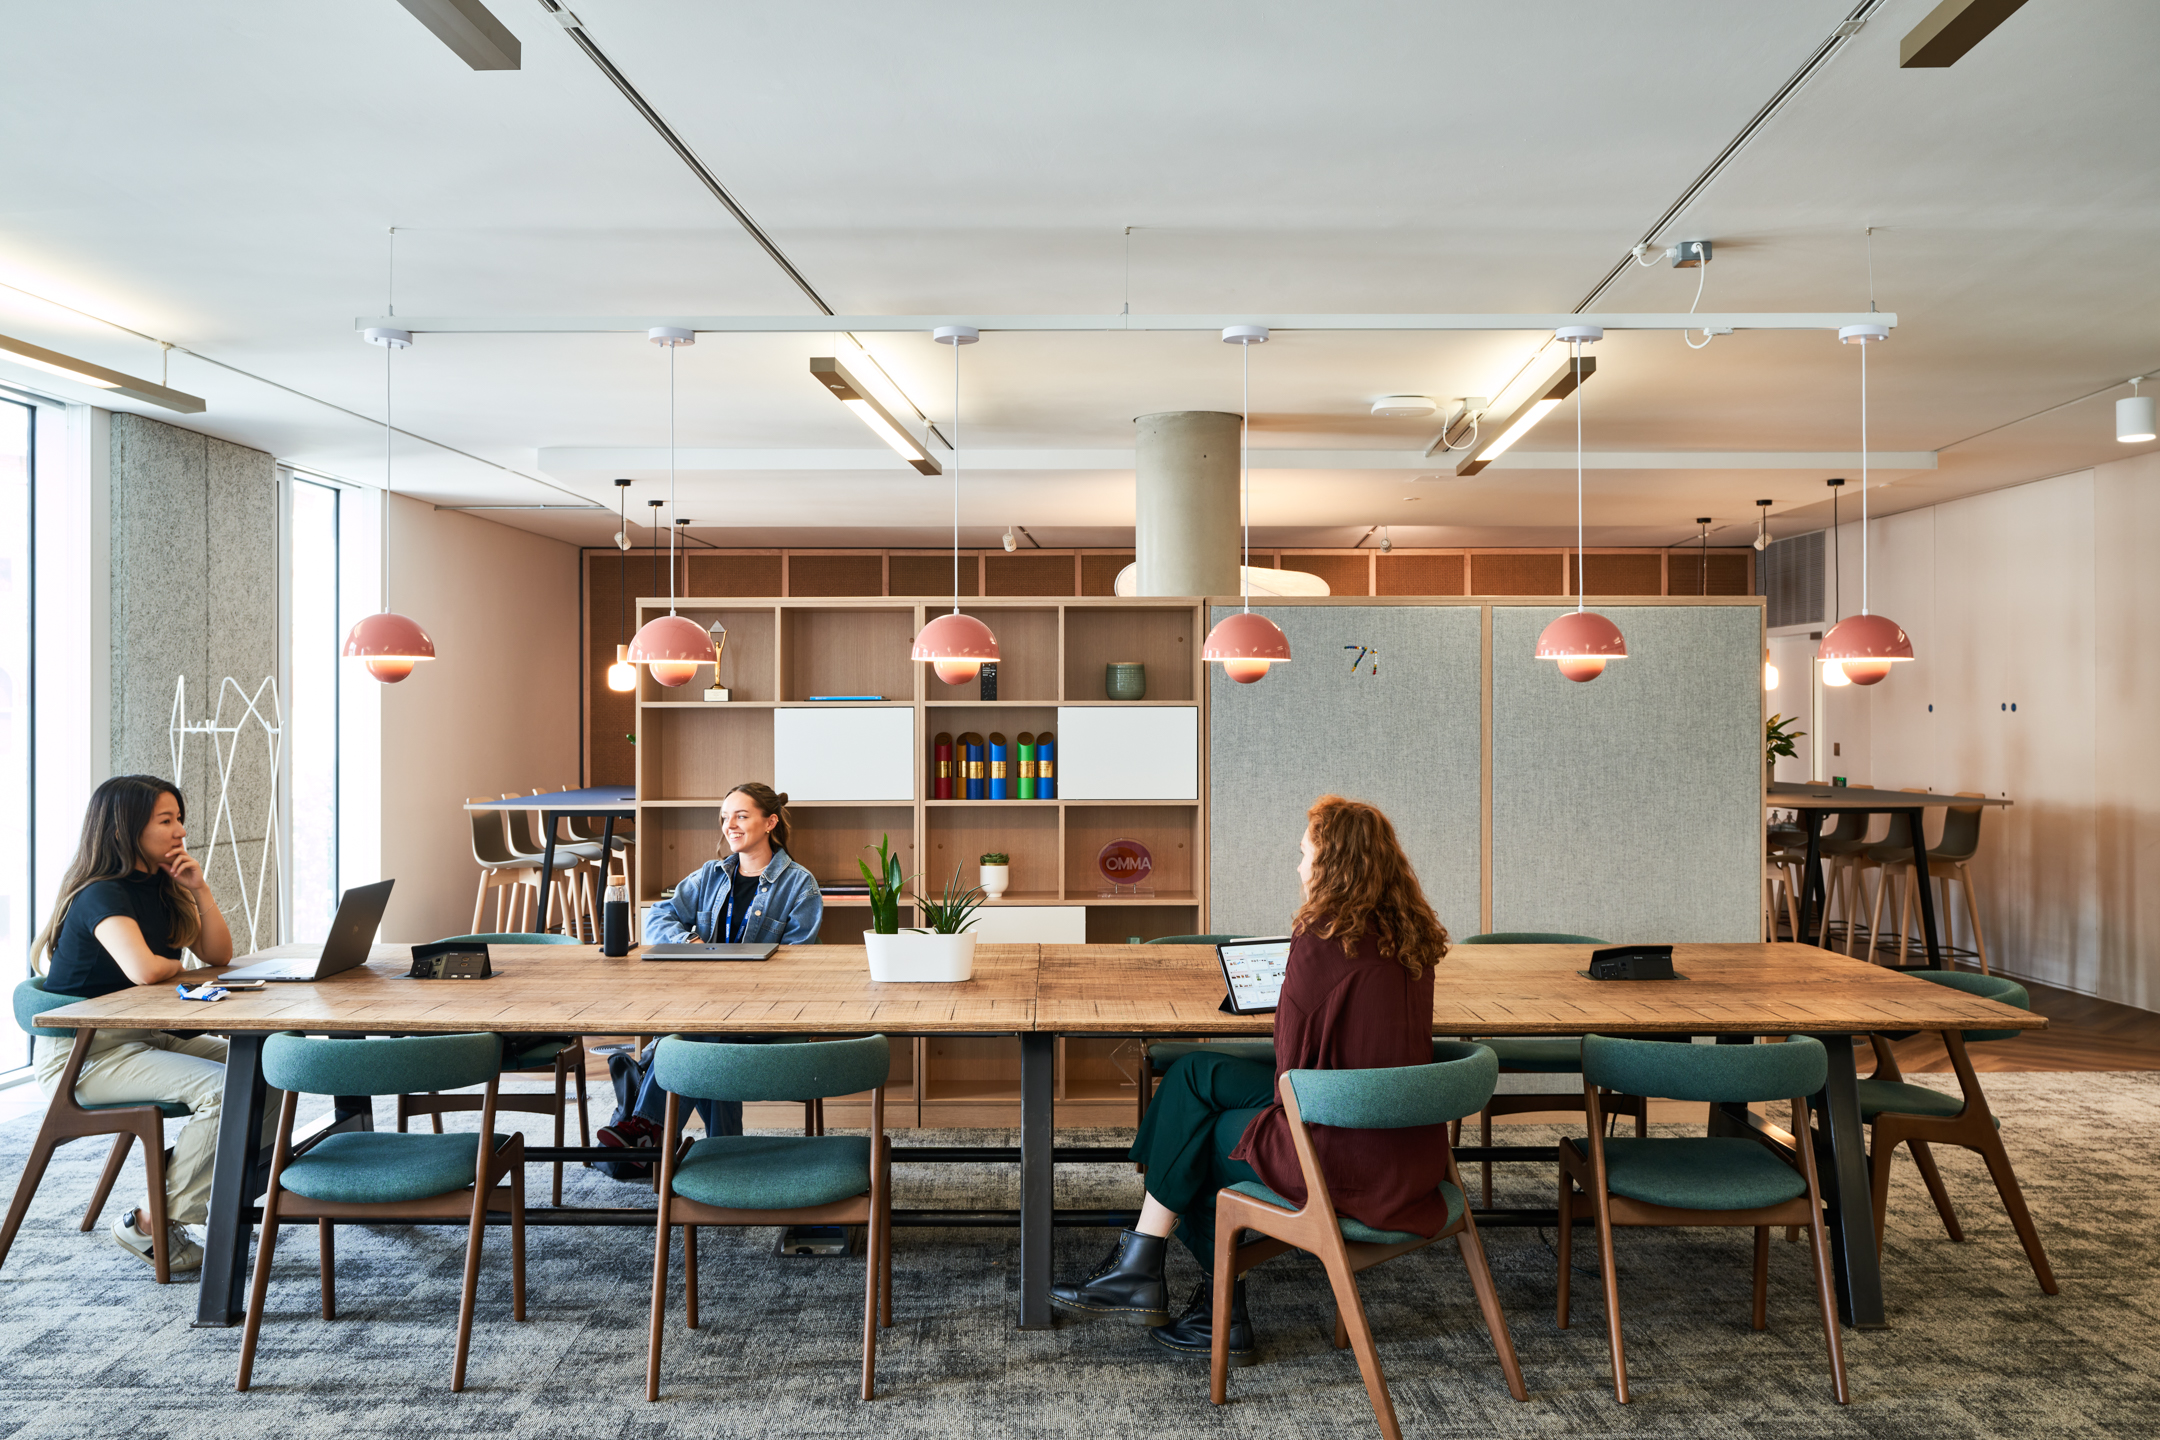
[[1198, 1114]]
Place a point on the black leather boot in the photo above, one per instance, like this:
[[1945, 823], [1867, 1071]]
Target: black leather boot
[[1193, 1333], [1128, 1285]]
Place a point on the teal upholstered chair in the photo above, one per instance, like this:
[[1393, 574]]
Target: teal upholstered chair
[[1540, 1055], [1714, 1180], [773, 1179], [1915, 1115], [1458, 1082], [67, 1118], [371, 1178], [562, 1056]]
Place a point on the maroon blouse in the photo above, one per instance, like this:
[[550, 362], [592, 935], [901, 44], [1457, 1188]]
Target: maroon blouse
[[1353, 1012]]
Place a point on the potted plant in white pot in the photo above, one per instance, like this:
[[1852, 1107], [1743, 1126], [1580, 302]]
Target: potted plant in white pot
[[996, 872], [940, 951]]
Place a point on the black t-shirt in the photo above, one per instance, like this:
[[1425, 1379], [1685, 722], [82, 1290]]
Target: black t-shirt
[[739, 897], [80, 964]]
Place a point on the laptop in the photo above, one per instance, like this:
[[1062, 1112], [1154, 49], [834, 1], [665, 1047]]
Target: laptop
[[352, 935], [709, 950], [1253, 973]]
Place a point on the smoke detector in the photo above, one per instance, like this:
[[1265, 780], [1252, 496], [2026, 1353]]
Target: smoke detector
[[1400, 407]]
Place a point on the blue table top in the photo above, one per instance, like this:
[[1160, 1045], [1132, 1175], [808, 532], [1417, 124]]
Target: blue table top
[[600, 800]]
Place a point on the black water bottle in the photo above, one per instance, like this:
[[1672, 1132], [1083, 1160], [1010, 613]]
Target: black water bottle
[[615, 922]]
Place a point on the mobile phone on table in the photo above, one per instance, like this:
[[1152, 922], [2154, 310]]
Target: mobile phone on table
[[241, 984]]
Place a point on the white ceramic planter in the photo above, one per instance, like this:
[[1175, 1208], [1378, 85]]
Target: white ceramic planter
[[994, 879], [914, 957]]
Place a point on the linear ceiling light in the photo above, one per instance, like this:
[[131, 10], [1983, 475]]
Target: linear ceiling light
[[1541, 399], [834, 377], [473, 35], [22, 352]]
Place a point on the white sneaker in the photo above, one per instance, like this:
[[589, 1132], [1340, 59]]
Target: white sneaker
[[182, 1251]]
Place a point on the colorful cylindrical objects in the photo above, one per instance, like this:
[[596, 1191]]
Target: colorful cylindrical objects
[[972, 777], [1046, 766], [941, 769], [1026, 746], [1001, 767]]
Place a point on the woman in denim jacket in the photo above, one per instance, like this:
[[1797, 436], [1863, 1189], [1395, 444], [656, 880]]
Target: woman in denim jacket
[[751, 894]]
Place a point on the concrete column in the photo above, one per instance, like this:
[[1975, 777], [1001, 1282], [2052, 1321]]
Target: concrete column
[[1185, 510]]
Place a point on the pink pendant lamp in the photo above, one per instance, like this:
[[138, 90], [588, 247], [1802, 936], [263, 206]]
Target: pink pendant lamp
[[1245, 643], [1585, 641], [672, 645], [1864, 646], [956, 645], [389, 644]]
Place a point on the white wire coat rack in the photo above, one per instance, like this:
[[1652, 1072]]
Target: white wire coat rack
[[259, 712]]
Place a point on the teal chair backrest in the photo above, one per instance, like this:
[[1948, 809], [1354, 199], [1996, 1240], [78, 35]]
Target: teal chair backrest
[[811, 1071], [1740, 1073], [1530, 937], [510, 940], [1987, 987], [405, 1065], [1194, 939], [1401, 1096], [32, 999]]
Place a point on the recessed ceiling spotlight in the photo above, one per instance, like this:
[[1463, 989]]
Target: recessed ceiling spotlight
[[1400, 407]]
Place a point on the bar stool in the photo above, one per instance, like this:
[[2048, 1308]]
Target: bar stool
[[1839, 852], [1948, 859], [501, 870], [569, 869]]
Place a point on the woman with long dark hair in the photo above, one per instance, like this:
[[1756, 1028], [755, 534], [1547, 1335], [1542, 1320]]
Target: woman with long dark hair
[[752, 892], [130, 904], [1357, 994]]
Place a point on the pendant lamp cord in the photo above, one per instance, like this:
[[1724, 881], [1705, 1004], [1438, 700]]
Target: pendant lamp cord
[[390, 309], [1863, 465], [956, 476], [622, 571], [1244, 583], [671, 478], [1580, 584]]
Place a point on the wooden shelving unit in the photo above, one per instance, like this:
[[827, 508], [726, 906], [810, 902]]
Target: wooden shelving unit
[[781, 652]]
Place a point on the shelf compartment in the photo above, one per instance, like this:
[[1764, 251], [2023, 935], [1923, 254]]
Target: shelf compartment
[[847, 652], [746, 665], [1170, 832], [1011, 721], [1160, 638], [1027, 657], [1098, 1068], [1118, 924], [828, 840], [959, 834], [702, 751], [844, 924], [972, 1067]]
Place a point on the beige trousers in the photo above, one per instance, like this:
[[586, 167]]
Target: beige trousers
[[146, 1065]]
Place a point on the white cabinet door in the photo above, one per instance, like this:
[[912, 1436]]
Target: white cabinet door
[[831, 753], [1031, 925], [1128, 752]]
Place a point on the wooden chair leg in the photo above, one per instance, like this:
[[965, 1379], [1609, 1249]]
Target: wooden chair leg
[[480, 901], [1564, 1247], [160, 1232], [1352, 1310], [41, 1152], [1762, 1277], [1484, 1121], [113, 1162], [873, 1268], [562, 1114], [584, 1119], [1826, 1291], [517, 1243], [659, 1301], [689, 1275], [1972, 914], [2013, 1198], [1342, 1332], [1488, 1299], [470, 1295], [1610, 1263], [1924, 1157], [326, 1244], [258, 1289]]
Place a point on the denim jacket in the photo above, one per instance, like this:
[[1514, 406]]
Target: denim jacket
[[786, 908]]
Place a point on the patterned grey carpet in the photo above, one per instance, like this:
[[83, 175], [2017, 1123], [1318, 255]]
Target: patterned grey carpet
[[90, 1346]]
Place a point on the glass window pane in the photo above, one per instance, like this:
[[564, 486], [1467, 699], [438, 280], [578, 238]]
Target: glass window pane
[[311, 734], [15, 792]]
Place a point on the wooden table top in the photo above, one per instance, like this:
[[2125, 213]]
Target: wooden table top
[[1534, 990], [1061, 989], [1791, 795]]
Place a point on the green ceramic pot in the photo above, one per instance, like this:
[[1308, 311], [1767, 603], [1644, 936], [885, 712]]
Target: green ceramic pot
[[1125, 680]]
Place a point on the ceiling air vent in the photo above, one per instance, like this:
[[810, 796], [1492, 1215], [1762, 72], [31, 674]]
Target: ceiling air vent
[[1792, 581]]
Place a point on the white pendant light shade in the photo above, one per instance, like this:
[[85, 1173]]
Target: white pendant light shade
[[2134, 419], [1833, 674]]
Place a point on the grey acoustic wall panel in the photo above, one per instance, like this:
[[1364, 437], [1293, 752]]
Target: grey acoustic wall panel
[[1630, 807], [1407, 739]]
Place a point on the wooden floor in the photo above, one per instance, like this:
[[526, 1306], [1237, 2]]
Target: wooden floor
[[2082, 1034]]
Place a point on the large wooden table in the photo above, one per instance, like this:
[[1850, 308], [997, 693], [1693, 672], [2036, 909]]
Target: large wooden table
[[1814, 800], [1037, 993]]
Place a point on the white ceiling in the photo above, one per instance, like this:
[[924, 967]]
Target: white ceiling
[[222, 175]]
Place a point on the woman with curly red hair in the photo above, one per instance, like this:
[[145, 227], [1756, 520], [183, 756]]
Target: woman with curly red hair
[[1357, 994]]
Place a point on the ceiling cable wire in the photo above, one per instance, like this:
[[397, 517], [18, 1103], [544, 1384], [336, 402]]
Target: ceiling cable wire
[[956, 477], [1582, 584], [1244, 579]]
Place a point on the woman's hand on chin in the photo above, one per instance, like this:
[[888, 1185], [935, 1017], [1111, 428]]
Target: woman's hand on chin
[[185, 869]]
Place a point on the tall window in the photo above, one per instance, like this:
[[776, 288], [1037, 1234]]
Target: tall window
[[311, 707], [16, 792]]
